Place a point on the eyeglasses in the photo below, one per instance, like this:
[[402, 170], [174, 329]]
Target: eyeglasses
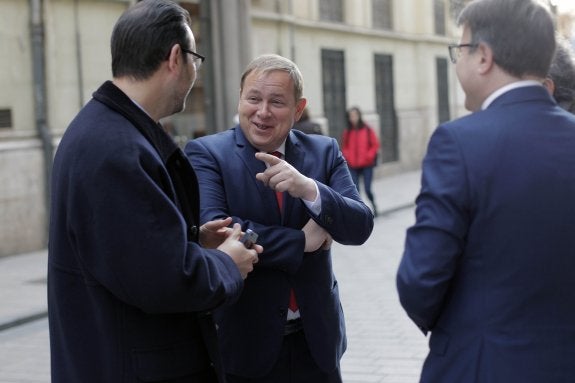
[[198, 58], [455, 50]]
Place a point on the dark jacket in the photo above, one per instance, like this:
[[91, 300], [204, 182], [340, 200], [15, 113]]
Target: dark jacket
[[251, 330], [126, 278], [488, 266]]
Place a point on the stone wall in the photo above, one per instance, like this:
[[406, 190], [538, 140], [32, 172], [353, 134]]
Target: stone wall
[[23, 215]]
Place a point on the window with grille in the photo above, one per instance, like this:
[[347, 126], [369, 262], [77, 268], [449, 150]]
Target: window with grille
[[385, 105], [331, 10], [382, 14], [334, 96], [442, 66], [439, 15]]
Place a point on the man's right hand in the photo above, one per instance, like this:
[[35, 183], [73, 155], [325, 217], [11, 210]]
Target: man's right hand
[[243, 258]]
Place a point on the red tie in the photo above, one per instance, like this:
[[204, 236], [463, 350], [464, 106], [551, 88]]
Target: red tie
[[280, 198], [279, 195]]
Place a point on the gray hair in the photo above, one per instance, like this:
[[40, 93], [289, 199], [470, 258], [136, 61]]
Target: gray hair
[[271, 62]]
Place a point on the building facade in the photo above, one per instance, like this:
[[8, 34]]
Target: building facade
[[388, 57]]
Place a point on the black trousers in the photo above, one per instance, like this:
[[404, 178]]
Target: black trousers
[[295, 365]]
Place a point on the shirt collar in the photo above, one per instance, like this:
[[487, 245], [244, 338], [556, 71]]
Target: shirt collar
[[281, 149], [505, 89]]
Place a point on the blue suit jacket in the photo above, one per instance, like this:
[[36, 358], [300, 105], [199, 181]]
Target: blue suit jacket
[[251, 331], [489, 266]]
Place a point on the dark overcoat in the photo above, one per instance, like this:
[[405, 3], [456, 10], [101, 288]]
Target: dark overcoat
[[126, 276]]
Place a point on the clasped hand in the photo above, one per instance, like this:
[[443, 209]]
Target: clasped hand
[[218, 234]]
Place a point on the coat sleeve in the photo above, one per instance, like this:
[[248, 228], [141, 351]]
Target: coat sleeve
[[343, 214], [436, 241], [131, 238]]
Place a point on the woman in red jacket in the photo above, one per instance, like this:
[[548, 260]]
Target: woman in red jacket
[[359, 147]]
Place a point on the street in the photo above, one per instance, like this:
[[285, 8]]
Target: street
[[383, 344]]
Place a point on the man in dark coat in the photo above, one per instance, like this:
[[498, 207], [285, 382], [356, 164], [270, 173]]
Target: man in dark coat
[[130, 289]]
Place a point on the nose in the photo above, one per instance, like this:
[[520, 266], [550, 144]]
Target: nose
[[264, 110]]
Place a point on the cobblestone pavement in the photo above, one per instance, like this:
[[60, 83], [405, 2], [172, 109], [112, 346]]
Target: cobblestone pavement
[[383, 344]]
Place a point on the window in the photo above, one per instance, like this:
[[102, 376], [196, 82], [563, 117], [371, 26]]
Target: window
[[331, 10], [442, 89], [382, 14], [5, 118], [439, 14], [385, 105], [334, 97]]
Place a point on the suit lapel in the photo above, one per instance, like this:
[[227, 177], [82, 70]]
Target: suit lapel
[[295, 156], [245, 153]]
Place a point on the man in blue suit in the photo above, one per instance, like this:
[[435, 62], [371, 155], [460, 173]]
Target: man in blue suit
[[489, 265], [297, 204]]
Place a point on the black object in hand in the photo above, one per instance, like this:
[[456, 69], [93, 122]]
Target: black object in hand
[[249, 238]]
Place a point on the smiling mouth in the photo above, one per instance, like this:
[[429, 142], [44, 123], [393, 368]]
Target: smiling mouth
[[262, 126]]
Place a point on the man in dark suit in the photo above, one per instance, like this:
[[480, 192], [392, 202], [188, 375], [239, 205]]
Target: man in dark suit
[[488, 265], [129, 286], [297, 204]]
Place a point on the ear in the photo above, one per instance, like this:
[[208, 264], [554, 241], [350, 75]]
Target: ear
[[549, 85], [299, 107], [175, 58], [485, 57]]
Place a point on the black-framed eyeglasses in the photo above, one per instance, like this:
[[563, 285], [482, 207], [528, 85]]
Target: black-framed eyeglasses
[[198, 58], [455, 50]]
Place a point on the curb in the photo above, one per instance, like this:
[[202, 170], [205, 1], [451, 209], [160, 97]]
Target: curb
[[23, 320]]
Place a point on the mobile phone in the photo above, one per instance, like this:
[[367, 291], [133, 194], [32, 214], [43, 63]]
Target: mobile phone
[[249, 238]]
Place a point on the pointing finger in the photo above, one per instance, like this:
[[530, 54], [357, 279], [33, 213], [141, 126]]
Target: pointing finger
[[270, 159]]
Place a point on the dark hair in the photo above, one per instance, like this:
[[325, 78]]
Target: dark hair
[[520, 33], [562, 72], [144, 35], [360, 122]]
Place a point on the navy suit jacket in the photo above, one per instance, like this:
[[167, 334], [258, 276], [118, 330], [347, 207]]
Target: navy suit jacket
[[489, 266], [251, 330]]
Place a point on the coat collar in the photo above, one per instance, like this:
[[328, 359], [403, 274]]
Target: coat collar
[[113, 97], [522, 94], [182, 174]]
